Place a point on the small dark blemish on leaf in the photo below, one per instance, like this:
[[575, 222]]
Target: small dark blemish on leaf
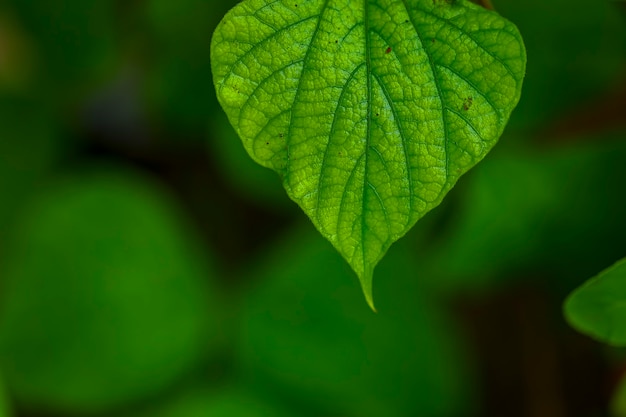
[[267, 143], [377, 114], [433, 40], [388, 50], [281, 135], [467, 103], [406, 21], [336, 40]]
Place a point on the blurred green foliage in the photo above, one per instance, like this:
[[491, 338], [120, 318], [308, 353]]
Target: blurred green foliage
[[123, 293], [246, 177], [618, 403], [525, 209], [179, 81], [307, 332], [597, 307], [576, 50], [106, 299], [73, 42], [4, 407], [28, 150], [223, 402]]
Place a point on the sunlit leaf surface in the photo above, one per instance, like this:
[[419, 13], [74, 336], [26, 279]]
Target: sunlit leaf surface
[[370, 111]]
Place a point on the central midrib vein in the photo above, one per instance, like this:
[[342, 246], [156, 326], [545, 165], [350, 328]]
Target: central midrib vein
[[368, 74]]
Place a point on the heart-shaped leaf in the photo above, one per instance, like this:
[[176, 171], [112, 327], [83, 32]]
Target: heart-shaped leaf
[[369, 110]]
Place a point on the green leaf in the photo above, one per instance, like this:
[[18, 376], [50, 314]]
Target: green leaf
[[598, 307], [369, 111], [104, 298]]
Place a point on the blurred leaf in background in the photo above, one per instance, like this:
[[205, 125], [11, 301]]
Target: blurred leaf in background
[[216, 402], [576, 50], [105, 298], [307, 334], [598, 307], [4, 405], [553, 210]]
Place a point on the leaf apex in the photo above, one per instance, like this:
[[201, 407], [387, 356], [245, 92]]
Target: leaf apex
[[366, 285]]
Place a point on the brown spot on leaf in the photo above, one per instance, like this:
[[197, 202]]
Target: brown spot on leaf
[[467, 103]]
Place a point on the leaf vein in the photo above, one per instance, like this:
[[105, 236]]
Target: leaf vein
[[466, 120], [368, 135], [342, 211], [330, 136], [401, 131], [382, 206], [269, 121], [469, 36], [262, 83], [437, 85], [471, 84], [231, 67], [307, 55]]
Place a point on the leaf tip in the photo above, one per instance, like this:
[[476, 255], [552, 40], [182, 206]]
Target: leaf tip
[[370, 302], [366, 285]]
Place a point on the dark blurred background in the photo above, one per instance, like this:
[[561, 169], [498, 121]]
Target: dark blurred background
[[149, 268]]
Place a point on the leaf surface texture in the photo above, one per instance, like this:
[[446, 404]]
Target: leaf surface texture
[[369, 110]]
